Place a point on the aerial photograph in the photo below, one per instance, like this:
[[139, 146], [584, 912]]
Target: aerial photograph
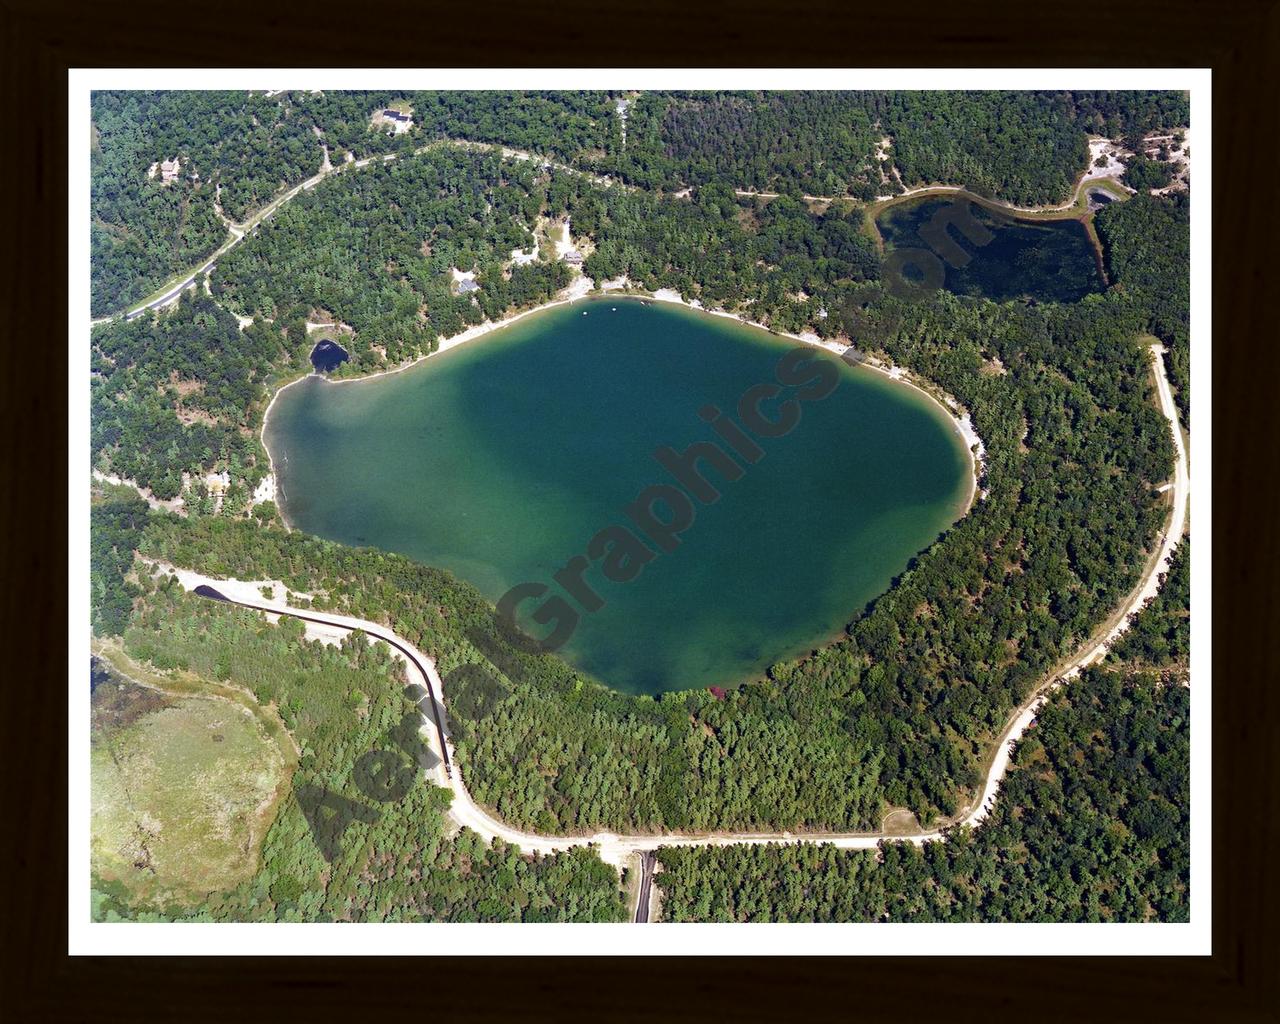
[[637, 506]]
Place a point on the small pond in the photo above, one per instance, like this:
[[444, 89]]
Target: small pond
[[327, 356]]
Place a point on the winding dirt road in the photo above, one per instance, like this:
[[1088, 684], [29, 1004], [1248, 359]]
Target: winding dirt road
[[620, 849]]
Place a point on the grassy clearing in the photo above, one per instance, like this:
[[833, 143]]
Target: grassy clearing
[[186, 780], [900, 822]]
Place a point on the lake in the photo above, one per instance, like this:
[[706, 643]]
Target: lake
[[502, 458], [1045, 260]]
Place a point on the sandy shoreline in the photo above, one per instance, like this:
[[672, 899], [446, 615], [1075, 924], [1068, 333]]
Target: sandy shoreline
[[579, 289], [584, 287]]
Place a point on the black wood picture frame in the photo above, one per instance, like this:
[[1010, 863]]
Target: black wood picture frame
[[1239, 40]]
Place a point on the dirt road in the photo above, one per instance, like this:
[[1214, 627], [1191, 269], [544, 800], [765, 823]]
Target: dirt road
[[616, 849]]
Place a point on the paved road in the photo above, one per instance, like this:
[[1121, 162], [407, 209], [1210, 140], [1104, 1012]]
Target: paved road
[[238, 233], [647, 859], [205, 590]]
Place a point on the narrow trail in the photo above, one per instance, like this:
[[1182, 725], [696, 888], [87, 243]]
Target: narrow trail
[[619, 850], [1090, 177]]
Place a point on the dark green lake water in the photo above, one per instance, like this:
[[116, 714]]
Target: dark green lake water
[[1050, 261], [501, 459]]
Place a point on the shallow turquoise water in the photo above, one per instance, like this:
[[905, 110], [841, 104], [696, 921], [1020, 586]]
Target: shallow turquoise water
[[501, 459]]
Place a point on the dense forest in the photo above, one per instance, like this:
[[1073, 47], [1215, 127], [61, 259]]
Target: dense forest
[[1160, 637], [1022, 147], [375, 249], [179, 393], [1092, 821], [1091, 825], [896, 714], [1143, 174], [238, 150], [1121, 807], [576, 127], [1147, 242], [115, 526]]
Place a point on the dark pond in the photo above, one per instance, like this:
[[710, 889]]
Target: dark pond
[[328, 356], [97, 673], [1050, 261]]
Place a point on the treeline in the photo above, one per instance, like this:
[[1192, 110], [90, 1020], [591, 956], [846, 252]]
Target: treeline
[[1092, 824], [341, 703], [241, 150], [931, 671], [375, 248], [775, 262], [575, 127], [1022, 147], [116, 522], [1160, 636], [1147, 241], [237, 149], [1143, 174], [611, 755], [141, 230], [821, 143], [896, 714], [182, 392]]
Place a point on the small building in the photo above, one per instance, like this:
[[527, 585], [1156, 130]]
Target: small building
[[399, 121], [218, 482], [168, 170], [464, 281]]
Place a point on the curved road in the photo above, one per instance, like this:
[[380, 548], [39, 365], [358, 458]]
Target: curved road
[[647, 859], [238, 233], [617, 849]]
